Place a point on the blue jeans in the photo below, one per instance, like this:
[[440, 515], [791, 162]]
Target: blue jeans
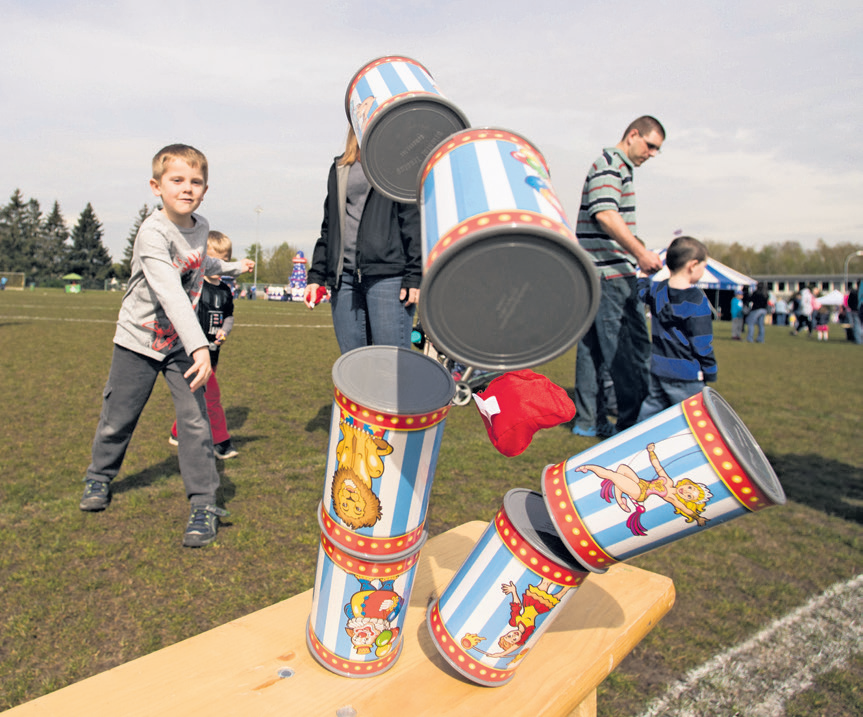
[[665, 393], [854, 318], [618, 339], [370, 313], [756, 317]]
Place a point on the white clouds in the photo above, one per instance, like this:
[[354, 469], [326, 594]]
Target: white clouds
[[760, 101]]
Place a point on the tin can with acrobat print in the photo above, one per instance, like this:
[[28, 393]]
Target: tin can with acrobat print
[[505, 284], [399, 115], [693, 466], [389, 411], [512, 585], [355, 628]]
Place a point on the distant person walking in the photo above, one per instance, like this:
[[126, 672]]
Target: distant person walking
[[607, 230], [757, 311], [852, 311], [737, 315]]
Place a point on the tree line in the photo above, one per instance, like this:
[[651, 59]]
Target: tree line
[[44, 248]]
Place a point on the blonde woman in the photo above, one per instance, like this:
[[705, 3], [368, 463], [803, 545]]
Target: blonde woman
[[369, 256]]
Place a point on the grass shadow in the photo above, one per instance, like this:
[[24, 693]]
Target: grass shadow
[[321, 420], [236, 416], [821, 483], [147, 477]]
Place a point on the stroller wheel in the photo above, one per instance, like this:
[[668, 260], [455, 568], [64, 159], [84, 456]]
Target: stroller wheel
[[463, 394]]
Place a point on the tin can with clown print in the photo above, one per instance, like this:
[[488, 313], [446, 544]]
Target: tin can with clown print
[[512, 585], [358, 609], [686, 469]]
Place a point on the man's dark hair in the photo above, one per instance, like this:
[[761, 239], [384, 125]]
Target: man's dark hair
[[645, 125]]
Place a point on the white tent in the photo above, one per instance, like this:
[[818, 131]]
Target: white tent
[[716, 276], [834, 298]]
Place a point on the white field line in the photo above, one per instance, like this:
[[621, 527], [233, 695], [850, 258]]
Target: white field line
[[114, 321], [757, 677]]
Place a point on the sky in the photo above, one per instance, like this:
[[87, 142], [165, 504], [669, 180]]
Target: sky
[[761, 101]]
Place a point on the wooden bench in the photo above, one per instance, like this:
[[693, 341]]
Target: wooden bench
[[259, 664]]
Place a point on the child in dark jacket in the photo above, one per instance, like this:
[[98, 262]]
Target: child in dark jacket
[[216, 316], [682, 327]]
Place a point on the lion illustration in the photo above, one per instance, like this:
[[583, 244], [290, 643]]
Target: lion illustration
[[354, 501], [359, 458]]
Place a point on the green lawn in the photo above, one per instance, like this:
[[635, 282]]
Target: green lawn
[[80, 593]]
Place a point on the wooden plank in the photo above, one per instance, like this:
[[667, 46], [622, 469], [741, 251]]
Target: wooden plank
[[236, 668]]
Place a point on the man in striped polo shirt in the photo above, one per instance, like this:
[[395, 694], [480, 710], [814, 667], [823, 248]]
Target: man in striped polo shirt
[[618, 338]]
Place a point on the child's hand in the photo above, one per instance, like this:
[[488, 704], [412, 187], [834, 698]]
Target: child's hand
[[201, 368], [220, 337], [247, 265]]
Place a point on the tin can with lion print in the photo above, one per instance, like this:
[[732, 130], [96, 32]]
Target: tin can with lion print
[[692, 466], [389, 411], [511, 586], [356, 623]]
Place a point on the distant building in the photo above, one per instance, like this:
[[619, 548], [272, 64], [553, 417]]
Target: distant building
[[784, 285]]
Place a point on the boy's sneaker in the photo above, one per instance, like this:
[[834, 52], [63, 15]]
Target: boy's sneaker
[[225, 449], [202, 526], [172, 439], [97, 495], [586, 432]]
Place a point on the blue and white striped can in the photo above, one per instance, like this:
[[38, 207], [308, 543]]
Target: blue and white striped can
[[690, 467], [506, 594], [399, 115], [505, 285], [355, 628], [387, 424]]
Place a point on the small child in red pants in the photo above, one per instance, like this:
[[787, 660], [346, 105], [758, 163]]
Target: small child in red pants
[[216, 316]]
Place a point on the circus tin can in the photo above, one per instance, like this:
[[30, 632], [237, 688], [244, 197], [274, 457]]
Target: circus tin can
[[512, 585], [690, 467]]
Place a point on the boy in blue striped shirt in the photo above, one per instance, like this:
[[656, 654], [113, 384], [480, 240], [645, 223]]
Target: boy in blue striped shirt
[[682, 360]]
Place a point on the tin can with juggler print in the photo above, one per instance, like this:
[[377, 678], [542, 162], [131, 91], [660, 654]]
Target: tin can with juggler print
[[691, 467], [506, 594], [399, 115], [505, 284], [389, 411]]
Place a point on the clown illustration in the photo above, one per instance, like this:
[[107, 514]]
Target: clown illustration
[[361, 112], [688, 498], [359, 461], [371, 614], [535, 602]]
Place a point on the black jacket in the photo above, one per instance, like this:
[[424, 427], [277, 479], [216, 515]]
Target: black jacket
[[388, 239]]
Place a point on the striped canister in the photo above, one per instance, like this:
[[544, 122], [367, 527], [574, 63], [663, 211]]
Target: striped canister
[[690, 467], [389, 411], [505, 285], [509, 589], [355, 628], [399, 115]]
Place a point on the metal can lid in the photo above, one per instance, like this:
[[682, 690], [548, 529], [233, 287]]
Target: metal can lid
[[393, 380]]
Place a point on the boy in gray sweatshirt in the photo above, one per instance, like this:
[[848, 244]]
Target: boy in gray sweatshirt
[[158, 332]]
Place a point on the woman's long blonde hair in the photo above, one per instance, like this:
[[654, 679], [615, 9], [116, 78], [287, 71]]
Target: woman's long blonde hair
[[352, 149]]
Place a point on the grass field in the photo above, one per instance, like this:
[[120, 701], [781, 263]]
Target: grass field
[[80, 593]]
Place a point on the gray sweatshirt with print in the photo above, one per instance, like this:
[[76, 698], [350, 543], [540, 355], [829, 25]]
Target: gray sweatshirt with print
[[169, 263]]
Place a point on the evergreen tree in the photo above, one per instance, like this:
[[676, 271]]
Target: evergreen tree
[[126, 264], [19, 227], [52, 250], [89, 257]]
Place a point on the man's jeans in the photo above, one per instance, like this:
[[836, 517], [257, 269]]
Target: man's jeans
[[619, 339]]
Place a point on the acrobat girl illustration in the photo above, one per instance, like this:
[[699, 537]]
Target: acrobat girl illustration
[[688, 498], [524, 614]]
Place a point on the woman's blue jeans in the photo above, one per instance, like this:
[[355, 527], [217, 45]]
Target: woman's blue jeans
[[369, 312]]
